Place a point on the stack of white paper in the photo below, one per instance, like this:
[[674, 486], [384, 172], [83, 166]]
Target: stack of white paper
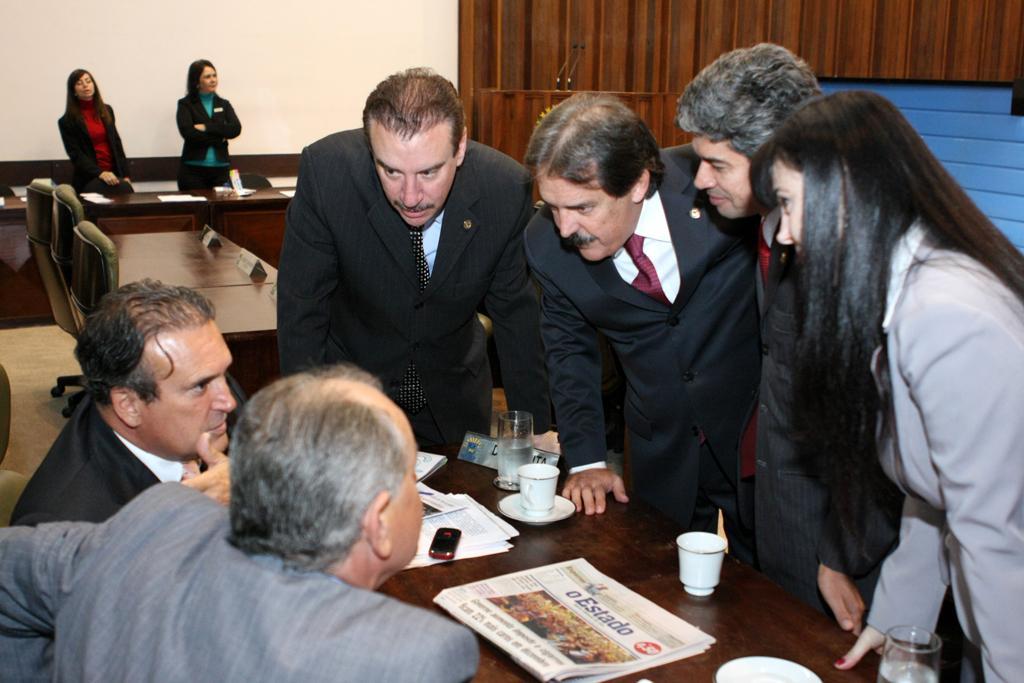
[[180, 198], [483, 532], [427, 464], [95, 198]]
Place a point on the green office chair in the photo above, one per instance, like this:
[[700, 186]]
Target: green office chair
[[93, 269], [39, 213], [5, 412], [67, 213]]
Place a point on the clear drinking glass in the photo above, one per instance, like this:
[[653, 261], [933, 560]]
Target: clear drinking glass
[[515, 447], [910, 655]]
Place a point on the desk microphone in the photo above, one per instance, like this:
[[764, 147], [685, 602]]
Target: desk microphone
[[565, 66], [572, 69]]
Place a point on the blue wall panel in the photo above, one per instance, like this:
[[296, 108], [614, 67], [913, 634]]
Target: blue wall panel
[[970, 129]]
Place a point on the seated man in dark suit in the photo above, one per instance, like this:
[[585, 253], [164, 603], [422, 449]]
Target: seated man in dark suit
[[280, 587], [623, 247], [398, 233], [155, 365]]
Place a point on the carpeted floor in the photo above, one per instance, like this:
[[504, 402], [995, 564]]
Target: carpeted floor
[[33, 358]]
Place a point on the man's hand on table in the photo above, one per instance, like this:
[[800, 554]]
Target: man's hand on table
[[548, 441], [870, 639], [843, 598], [215, 482], [587, 489]]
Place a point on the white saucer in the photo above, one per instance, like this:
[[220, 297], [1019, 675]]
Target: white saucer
[[764, 670], [510, 507]]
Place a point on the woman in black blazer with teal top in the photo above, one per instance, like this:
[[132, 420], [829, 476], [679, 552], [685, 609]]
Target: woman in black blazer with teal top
[[206, 121], [90, 138]]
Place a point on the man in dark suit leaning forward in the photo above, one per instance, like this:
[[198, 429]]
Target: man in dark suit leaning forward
[[732, 107], [685, 331], [397, 234], [280, 587]]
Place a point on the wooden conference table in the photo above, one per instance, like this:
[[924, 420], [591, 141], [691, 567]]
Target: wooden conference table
[[246, 313], [747, 614], [256, 222]]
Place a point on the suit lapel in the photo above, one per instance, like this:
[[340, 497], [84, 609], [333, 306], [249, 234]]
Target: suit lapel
[[689, 226], [394, 234], [459, 227], [778, 266], [607, 277]]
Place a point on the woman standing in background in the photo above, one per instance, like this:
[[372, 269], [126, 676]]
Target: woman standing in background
[[90, 138], [207, 122]]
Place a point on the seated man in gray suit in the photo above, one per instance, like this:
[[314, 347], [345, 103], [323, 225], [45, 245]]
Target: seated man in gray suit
[[280, 587], [158, 400], [732, 107]]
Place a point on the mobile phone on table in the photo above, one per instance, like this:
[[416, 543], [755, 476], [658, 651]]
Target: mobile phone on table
[[446, 540]]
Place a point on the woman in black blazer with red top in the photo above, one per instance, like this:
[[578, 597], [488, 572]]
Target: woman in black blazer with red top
[[207, 122], [90, 138]]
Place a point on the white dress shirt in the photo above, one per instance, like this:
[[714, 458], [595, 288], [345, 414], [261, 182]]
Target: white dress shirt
[[164, 469]]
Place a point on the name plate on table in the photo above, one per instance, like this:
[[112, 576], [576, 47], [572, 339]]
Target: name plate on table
[[483, 450], [249, 264], [209, 237]]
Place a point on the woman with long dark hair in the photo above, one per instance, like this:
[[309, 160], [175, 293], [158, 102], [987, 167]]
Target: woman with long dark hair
[[206, 121], [90, 138], [910, 356]]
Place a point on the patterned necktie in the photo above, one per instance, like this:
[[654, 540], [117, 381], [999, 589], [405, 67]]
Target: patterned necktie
[[646, 280], [410, 394]]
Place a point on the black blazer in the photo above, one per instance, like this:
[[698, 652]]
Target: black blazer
[[348, 290], [797, 526], [87, 476], [82, 154], [689, 367], [220, 128]]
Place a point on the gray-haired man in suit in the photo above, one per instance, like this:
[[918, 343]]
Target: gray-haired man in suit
[[281, 587]]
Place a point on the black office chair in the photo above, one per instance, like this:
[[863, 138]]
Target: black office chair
[[254, 181], [6, 191], [39, 212], [67, 213], [94, 267]]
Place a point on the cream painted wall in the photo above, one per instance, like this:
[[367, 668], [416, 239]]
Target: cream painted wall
[[294, 71]]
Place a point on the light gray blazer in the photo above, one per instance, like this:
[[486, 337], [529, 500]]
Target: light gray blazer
[[158, 594], [956, 359]]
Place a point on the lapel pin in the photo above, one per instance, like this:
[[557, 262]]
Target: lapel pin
[[467, 224], [695, 213], [783, 257]]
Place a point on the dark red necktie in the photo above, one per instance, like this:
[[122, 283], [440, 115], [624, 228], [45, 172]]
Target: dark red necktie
[[764, 253], [646, 280]]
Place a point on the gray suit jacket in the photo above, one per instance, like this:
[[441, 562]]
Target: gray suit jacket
[[796, 524], [956, 358], [348, 289], [158, 594]]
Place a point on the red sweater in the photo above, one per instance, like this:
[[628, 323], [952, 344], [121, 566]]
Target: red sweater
[[97, 133]]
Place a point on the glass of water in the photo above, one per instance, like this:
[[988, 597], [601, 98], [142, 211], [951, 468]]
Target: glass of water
[[910, 655], [515, 447]]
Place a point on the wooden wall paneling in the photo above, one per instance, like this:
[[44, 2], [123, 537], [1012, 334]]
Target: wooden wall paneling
[[683, 46], [963, 43], [585, 33], [752, 21], [616, 36], [718, 29], [547, 43], [1002, 29], [647, 46], [117, 225], [784, 27], [855, 37], [927, 50], [890, 57], [818, 35], [514, 44]]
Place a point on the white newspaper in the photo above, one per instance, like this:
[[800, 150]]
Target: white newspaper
[[483, 532], [570, 621]]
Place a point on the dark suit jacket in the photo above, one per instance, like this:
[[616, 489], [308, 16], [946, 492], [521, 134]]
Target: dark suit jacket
[[158, 593], [689, 367], [348, 291], [87, 476], [82, 154], [795, 522], [220, 128]]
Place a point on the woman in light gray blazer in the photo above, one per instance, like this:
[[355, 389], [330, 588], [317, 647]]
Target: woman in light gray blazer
[[910, 364]]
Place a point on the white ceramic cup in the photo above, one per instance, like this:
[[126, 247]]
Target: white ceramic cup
[[537, 483], [700, 561]]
